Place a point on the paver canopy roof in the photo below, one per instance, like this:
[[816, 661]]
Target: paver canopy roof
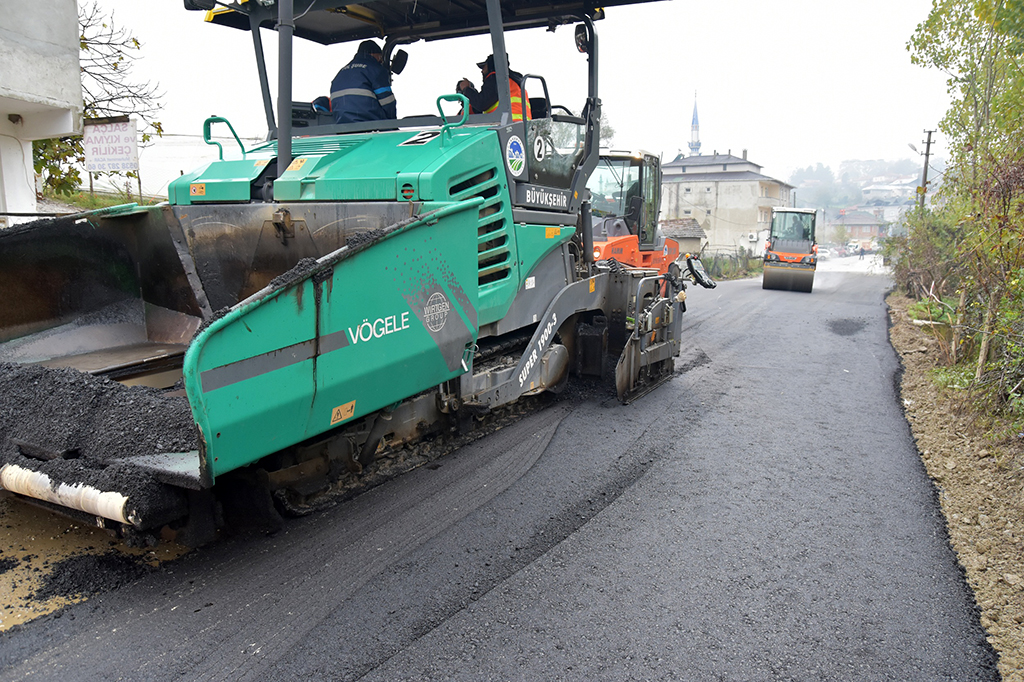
[[330, 21]]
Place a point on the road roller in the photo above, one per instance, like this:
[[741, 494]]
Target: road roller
[[791, 254]]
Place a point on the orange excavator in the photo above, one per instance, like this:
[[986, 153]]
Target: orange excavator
[[625, 191]]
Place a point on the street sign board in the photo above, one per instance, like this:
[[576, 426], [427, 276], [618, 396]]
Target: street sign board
[[111, 145]]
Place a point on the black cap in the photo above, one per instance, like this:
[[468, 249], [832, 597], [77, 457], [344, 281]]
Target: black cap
[[489, 62], [368, 47]]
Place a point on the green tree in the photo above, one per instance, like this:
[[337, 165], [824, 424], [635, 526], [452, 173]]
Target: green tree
[[978, 44], [840, 234], [107, 55], [570, 136]]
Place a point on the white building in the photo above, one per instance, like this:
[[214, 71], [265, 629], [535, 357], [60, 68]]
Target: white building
[[40, 92], [727, 195], [888, 189]]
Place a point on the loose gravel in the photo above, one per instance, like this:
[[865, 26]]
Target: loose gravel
[[88, 574], [64, 412]]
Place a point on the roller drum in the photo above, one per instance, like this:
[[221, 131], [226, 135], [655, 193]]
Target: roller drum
[[788, 278]]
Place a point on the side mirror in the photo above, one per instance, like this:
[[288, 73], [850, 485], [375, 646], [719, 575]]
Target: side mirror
[[399, 61], [582, 39], [194, 5], [699, 274]]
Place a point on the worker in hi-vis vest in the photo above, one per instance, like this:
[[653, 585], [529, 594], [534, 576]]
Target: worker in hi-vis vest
[[486, 100]]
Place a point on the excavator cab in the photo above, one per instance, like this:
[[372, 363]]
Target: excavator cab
[[625, 191], [609, 188]]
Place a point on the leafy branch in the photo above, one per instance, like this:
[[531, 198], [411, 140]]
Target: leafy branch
[[107, 55]]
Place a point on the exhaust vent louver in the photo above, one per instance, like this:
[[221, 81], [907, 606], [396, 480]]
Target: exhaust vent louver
[[494, 259]]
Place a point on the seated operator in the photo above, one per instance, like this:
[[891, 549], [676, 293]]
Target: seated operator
[[362, 89], [486, 100], [803, 229], [795, 229]]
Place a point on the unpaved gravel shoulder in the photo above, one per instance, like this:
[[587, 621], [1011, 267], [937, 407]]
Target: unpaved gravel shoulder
[[981, 488]]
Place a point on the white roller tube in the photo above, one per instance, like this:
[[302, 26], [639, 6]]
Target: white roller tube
[[109, 505]]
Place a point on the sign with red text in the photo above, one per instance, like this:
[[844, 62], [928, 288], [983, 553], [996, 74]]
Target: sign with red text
[[110, 146]]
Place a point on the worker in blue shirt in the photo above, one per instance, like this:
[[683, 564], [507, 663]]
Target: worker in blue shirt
[[362, 89]]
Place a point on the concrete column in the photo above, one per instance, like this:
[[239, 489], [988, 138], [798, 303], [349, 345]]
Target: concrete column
[[17, 177], [40, 91]]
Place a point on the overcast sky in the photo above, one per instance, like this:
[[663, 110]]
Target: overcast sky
[[795, 82]]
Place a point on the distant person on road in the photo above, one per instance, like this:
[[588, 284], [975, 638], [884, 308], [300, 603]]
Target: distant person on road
[[861, 253], [485, 100], [362, 89]]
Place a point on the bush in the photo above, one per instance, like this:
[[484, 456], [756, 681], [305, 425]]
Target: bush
[[732, 266], [943, 312]]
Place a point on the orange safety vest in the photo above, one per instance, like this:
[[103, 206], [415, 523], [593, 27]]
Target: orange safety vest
[[519, 96]]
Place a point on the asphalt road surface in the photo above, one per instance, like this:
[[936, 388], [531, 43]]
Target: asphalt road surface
[[763, 516]]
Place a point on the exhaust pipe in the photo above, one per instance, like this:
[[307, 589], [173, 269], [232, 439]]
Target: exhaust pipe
[[588, 232]]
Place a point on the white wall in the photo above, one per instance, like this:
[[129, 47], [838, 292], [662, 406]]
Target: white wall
[[40, 90], [728, 213], [17, 178]]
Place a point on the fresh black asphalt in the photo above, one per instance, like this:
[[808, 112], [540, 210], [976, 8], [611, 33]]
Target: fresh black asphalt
[[764, 516]]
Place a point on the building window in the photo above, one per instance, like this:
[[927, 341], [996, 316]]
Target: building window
[[725, 167], [707, 189], [687, 190], [686, 212]]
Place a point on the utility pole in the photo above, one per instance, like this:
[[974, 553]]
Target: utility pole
[[924, 179]]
